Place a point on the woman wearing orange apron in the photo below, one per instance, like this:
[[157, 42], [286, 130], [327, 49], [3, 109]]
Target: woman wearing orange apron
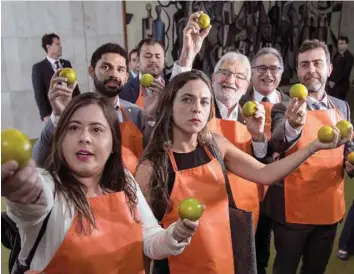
[[181, 161], [88, 214]]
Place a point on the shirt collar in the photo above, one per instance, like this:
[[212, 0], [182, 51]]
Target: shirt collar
[[310, 100], [51, 60], [224, 111], [273, 96]]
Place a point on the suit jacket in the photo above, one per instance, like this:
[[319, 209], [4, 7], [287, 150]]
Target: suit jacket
[[42, 147], [42, 73], [274, 202], [248, 96], [130, 91], [342, 66]]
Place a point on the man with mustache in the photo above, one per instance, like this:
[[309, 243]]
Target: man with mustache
[[308, 205], [267, 69], [151, 56], [230, 81], [109, 71]]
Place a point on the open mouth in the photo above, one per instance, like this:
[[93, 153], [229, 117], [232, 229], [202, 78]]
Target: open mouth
[[84, 155]]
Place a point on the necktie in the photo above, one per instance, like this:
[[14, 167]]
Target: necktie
[[318, 106], [56, 64], [265, 99]]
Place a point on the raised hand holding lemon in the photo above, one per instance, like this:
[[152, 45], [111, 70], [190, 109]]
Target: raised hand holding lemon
[[203, 21], [15, 145], [69, 74], [298, 91], [249, 109], [146, 80]]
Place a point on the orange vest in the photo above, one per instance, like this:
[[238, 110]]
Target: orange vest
[[132, 143], [244, 192], [210, 251], [115, 246], [314, 192], [140, 101]]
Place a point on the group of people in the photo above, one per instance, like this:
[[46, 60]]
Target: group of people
[[111, 167]]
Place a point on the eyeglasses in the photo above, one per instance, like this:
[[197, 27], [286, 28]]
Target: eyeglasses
[[263, 69], [228, 73]]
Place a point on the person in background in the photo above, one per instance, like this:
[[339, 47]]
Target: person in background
[[43, 71], [133, 64], [342, 63]]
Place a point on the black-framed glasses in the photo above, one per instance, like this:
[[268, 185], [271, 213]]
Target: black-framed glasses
[[263, 69], [228, 73]]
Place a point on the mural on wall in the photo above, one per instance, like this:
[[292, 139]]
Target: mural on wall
[[280, 24]]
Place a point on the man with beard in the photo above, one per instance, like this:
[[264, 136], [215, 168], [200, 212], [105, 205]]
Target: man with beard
[[311, 203], [108, 69], [230, 81], [151, 56]]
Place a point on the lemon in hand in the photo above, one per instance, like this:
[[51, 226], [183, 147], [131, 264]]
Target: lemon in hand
[[344, 127], [298, 91], [69, 74], [325, 134], [146, 80], [249, 109], [15, 145], [351, 157], [203, 21], [190, 209]]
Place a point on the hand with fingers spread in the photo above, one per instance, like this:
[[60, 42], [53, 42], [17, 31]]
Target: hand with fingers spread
[[255, 123], [296, 113], [193, 38], [184, 229], [337, 141], [60, 95], [20, 185]]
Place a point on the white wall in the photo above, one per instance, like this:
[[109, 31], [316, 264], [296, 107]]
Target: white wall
[[82, 27]]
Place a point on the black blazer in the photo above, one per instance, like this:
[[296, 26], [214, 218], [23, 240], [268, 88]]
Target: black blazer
[[130, 91], [42, 73]]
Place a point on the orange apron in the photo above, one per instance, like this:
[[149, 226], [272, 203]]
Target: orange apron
[[132, 143], [314, 192], [210, 251], [262, 189], [114, 247], [244, 192], [140, 101]]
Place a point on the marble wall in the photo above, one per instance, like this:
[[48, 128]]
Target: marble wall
[[82, 27]]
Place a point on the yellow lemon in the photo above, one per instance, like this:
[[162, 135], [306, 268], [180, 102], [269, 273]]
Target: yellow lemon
[[69, 74], [344, 126], [146, 80], [351, 157], [15, 145], [190, 209], [298, 91], [249, 109], [203, 21], [325, 134]]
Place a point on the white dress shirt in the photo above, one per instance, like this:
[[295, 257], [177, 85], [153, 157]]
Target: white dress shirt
[[52, 62], [158, 243]]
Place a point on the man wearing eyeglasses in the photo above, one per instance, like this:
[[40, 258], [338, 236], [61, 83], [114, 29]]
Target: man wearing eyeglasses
[[267, 69], [230, 81]]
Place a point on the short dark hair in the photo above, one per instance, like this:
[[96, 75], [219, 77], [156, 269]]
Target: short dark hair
[[150, 42], [108, 48], [313, 44], [343, 38], [47, 39], [131, 52]]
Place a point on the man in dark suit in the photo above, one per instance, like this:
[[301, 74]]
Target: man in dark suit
[[342, 66], [133, 64], [307, 206], [267, 69], [43, 71], [151, 55]]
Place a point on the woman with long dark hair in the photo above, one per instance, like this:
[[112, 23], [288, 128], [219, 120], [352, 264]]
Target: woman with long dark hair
[[85, 213], [183, 159]]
